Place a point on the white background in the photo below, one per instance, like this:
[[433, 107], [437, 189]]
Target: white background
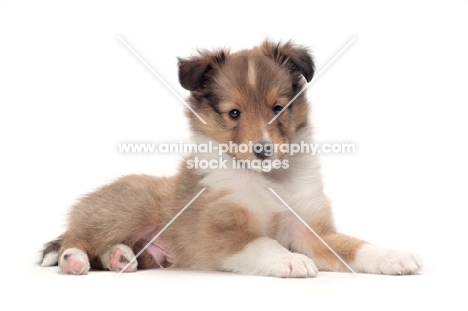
[[70, 92]]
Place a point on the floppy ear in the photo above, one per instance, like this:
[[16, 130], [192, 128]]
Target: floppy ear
[[193, 71], [294, 57]]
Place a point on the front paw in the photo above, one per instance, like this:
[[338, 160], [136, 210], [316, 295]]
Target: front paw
[[377, 260], [293, 265], [267, 257]]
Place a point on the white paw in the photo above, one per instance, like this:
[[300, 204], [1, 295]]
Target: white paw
[[294, 265], [118, 257], [267, 257], [373, 259], [74, 261]]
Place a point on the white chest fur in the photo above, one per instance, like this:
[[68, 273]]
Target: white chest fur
[[299, 185], [246, 188]]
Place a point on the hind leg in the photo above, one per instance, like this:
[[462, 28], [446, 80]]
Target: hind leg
[[118, 257], [74, 261], [121, 212], [72, 256]]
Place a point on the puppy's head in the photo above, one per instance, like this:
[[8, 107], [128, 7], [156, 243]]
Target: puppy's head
[[238, 94]]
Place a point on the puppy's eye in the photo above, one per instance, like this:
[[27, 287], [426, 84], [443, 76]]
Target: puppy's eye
[[277, 109], [234, 113]]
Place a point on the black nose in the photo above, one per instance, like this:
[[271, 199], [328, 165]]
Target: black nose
[[263, 149]]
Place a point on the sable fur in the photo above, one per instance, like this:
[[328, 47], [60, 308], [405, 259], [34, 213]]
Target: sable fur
[[236, 209]]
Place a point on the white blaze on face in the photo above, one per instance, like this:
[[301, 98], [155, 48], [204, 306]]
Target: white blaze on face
[[251, 74]]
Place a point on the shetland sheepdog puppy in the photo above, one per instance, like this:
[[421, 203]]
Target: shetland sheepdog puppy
[[245, 219]]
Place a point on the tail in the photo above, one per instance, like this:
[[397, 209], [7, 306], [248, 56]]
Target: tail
[[50, 253]]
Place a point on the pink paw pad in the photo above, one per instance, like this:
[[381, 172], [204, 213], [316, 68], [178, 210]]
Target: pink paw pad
[[118, 260], [119, 257], [74, 262]]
